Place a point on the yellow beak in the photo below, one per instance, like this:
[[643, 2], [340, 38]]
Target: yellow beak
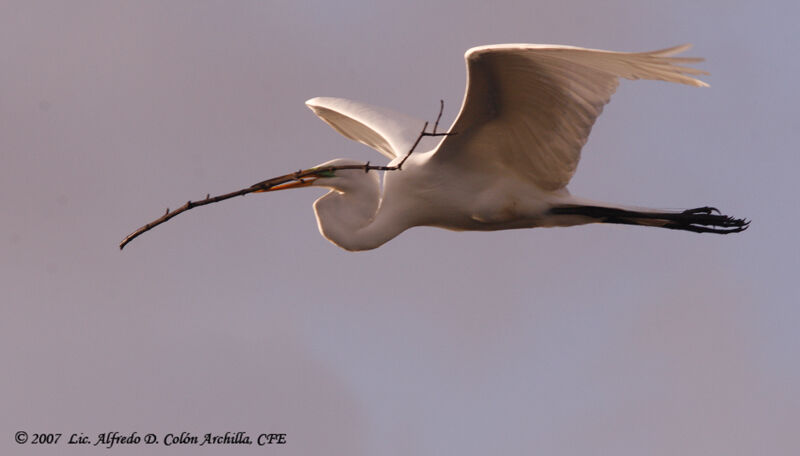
[[302, 182]]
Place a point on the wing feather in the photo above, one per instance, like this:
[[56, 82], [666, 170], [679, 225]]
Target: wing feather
[[530, 108], [389, 132]]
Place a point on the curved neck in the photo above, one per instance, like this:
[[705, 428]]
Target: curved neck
[[353, 221]]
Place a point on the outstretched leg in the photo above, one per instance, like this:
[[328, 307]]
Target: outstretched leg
[[698, 220]]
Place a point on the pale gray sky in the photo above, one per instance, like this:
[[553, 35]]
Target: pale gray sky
[[240, 316]]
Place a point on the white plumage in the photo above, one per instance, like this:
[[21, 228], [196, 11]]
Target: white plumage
[[527, 112]]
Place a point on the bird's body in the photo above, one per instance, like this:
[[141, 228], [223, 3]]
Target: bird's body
[[508, 157]]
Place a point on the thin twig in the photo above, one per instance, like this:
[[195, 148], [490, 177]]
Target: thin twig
[[424, 132], [416, 143], [275, 181], [439, 117]]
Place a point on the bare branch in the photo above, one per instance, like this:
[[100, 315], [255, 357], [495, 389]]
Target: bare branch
[[259, 187], [286, 178]]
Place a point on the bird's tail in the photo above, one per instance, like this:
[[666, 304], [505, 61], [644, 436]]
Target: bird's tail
[[698, 220]]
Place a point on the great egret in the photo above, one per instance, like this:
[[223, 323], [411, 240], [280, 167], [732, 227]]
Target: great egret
[[506, 162], [513, 148]]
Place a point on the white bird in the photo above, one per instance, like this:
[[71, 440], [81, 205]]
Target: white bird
[[512, 150]]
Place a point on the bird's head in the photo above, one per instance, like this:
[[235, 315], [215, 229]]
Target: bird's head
[[348, 208]]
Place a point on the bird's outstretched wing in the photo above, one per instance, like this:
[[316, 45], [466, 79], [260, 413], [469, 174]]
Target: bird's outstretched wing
[[389, 132], [529, 108]]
